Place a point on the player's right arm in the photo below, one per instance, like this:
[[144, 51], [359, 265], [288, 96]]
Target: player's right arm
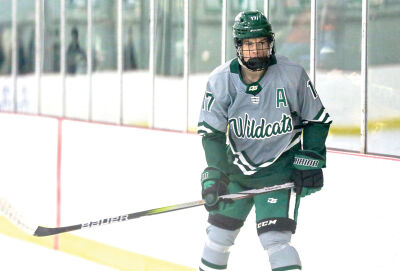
[[212, 127]]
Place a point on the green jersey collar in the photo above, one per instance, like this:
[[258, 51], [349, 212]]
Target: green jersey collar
[[253, 88]]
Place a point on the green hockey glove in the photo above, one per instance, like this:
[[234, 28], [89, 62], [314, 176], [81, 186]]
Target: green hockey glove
[[214, 184], [308, 177], [307, 181]]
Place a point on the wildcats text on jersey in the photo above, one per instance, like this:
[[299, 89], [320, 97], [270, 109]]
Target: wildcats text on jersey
[[248, 128]]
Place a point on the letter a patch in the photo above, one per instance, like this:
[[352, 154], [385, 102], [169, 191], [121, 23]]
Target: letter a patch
[[281, 98]]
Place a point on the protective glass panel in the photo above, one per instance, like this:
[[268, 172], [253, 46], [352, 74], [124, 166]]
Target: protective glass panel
[[169, 37], [136, 38], [106, 91], [291, 24], [26, 36], [51, 36], [51, 82], [6, 83], [104, 35], [5, 38], [77, 82], [383, 77], [136, 77], [233, 8], [27, 93], [338, 69], [76, 36], [204, 51], [169, 99]]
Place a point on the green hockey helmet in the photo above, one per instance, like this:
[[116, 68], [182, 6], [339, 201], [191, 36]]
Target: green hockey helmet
[[248, 25]]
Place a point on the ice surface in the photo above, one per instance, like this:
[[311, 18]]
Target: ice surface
[[17, 255]]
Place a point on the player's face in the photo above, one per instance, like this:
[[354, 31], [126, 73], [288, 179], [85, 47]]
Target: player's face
[[255, 47]]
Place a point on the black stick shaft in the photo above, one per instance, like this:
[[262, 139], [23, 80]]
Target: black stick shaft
[[44, 231]]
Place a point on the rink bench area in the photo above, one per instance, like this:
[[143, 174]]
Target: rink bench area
[[64, 172]]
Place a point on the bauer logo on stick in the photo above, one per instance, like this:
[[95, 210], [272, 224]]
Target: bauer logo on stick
[[105, 221]]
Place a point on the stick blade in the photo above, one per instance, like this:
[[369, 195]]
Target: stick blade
[[43, 231]]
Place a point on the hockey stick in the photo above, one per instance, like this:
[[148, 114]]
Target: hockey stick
[[10, 213]]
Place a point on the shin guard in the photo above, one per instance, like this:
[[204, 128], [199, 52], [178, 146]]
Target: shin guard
[[282, 256], [216, 250]]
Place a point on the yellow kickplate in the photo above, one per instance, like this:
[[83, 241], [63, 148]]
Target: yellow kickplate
[[9, 229], [101, 253], [114, 257]]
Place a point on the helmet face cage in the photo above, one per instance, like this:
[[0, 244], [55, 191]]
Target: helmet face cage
[[248, 26], [255, 54]]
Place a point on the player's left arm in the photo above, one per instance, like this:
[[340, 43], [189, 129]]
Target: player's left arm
[[314, 116], [312, 158]]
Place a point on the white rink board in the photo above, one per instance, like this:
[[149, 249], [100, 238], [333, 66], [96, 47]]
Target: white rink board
[[110, 170], [28, 166]]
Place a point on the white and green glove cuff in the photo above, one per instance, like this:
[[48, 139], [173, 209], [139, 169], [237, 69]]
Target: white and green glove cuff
[[307, 160]]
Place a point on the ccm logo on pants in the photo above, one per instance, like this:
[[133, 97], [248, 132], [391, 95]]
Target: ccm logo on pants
[[266, 223]]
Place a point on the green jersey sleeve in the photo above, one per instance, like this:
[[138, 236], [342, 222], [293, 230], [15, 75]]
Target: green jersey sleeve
[[213, 123], [314, 137], [215, 151]]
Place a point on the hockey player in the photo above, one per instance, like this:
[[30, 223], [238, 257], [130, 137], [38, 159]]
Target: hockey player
[[255, 109]]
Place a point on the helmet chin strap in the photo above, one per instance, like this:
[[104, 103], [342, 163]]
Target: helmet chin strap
[[249, 75], [254, 63], [241, 64]]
